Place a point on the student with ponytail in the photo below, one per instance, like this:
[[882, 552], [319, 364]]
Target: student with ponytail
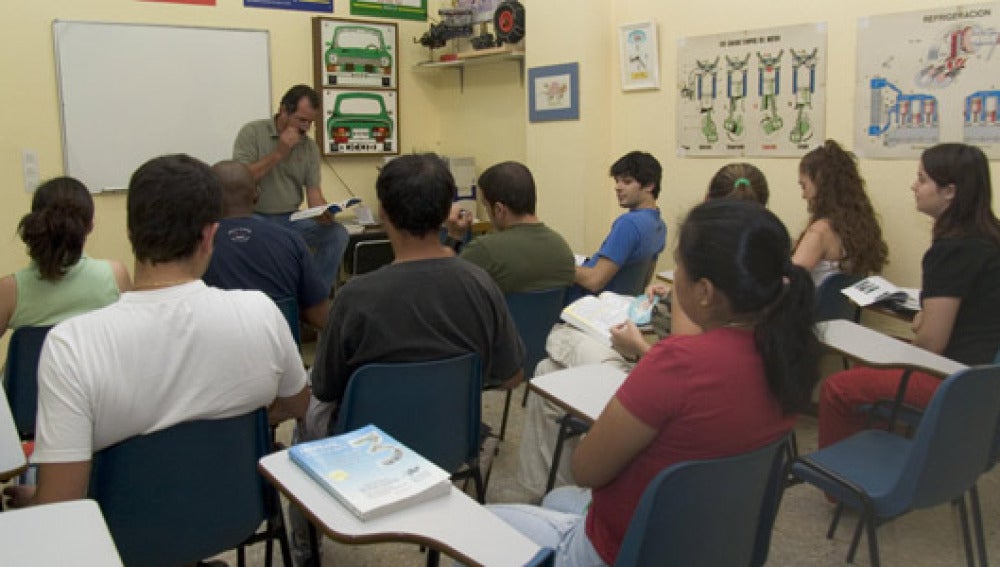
[[738, 181], [61, 280], [960, 291], [732, 388], [843, 233]]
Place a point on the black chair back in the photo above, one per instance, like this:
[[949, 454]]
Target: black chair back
[[20, 378]]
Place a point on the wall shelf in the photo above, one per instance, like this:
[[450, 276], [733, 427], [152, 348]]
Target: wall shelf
[[477, 60]]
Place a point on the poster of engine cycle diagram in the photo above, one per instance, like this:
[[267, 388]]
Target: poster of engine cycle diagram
[[928, 77], [758, 93]]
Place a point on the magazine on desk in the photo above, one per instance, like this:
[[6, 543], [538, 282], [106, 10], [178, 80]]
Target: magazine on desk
[[369, 472], [874, 289], [595, 315], [334, 208]]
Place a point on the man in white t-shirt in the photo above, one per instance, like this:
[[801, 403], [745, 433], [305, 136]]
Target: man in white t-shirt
[[173, 350]]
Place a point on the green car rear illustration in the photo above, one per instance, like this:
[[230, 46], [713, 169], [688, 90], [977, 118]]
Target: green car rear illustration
[[358, 49], [359, 123]]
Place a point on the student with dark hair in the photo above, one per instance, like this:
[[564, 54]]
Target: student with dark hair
[[61, 280], [960, 292], [251, 253], [638, 236], [739, 181], [523, 254], [283, 161], [843, 233], [733, 388], [426, 305], [171, 351]]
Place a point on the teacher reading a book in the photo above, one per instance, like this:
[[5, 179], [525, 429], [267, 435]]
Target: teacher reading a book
[[960, 297]]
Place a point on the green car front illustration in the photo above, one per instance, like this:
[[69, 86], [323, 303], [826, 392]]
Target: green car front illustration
[[359, 123], [358, 49]]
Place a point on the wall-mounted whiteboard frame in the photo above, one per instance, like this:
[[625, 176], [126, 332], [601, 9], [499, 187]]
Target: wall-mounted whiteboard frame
[[130, 92]]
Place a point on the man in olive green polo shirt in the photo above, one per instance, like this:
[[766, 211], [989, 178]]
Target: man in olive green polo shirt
[[284, 161], [524, 254]]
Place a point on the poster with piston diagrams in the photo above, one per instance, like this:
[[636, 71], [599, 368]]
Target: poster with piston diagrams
[[755, 93], [927, 77]]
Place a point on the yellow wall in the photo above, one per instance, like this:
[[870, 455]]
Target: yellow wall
[[488, 120], [570, 159]]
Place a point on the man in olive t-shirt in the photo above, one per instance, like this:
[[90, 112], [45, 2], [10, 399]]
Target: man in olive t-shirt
[[283, 161], [524, 254]]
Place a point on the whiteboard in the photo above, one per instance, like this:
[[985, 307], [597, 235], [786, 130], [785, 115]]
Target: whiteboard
[[131, 92]]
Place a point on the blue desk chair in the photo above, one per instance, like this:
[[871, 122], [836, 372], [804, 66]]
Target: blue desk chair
[[432, 407], [534, 314], [711, 512], [831, 304], [289, 307], [188, 492], [884, 475], [631, 279], [21, 377]]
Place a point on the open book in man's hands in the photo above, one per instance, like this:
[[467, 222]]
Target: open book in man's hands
[[595, 315], [876, 288], [334, 208]]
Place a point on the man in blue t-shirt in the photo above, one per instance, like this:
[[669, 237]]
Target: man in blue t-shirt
[[636, 238], [251, 253]]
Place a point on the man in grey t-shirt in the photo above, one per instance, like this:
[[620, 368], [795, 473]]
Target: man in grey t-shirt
[[283, 161]]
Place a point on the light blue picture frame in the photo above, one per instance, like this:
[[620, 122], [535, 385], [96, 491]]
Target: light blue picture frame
[[554, 92]]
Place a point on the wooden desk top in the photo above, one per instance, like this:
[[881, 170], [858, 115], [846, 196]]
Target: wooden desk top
[[455, 524], [54, 535], [880, 351], [582, 391]]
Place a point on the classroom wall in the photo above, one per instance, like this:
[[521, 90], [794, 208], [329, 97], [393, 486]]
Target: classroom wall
[[572, 157], [31, 118]]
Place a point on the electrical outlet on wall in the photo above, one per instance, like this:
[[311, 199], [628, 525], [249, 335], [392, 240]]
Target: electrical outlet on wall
[[29, 164]]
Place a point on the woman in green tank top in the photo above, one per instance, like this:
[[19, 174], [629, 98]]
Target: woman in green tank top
[[61, 281]]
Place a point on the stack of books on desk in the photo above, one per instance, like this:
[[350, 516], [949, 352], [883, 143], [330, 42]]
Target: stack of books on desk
[[369, 472]]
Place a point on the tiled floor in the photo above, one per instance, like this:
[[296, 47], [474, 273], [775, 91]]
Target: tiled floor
[[922, 538]]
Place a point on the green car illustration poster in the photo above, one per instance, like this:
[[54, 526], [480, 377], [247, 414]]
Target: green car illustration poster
[[357, 54], [359, 122]]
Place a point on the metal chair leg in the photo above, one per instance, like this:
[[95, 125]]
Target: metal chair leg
[[433, 558], [313, 543], [873, 558], [835, 521], [977, 523], [524, 400], [855, 540], [241, 556], [963, 513], [506, 411], [557, 453]]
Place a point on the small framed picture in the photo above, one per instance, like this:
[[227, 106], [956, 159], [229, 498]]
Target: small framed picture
[[554, 92], [639, 55]]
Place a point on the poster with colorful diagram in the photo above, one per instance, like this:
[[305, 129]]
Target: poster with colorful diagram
[[755, 93], [926, 77], [399, 9]]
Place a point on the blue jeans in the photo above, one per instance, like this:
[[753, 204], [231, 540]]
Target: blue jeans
[[558, 523], [327, 242]]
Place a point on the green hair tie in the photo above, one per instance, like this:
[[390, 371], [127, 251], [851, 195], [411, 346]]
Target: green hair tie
[[741, 181]]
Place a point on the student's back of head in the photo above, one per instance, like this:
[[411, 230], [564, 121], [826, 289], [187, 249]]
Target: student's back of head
[[739, 181], [171, 199], [62, 214], [510, 183], [744, 251], [416, 192]]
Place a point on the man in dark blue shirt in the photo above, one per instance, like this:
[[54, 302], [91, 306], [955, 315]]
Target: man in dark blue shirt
[[251, 253]]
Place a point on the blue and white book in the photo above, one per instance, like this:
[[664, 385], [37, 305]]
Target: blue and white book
[[334, 208], [369, 472]]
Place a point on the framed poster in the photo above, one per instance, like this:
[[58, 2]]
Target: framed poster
[[301, 5], [554, 92], [400, 9], [355, 53], [639, 56], [359, 122]]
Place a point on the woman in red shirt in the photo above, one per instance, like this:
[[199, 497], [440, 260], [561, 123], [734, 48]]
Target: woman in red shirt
[[731, 389]]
